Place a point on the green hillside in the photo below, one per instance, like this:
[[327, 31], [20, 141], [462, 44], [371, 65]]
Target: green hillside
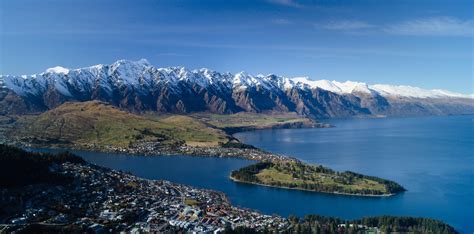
[[245, 121], [102, 124]]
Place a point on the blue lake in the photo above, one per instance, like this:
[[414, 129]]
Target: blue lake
[[433, 157]]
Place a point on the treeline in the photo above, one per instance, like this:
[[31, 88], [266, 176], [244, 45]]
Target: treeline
[[384, 224], [327, 188], [19, 167]]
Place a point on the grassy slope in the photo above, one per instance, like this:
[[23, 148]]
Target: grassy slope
[[195, 132], [316, 178], [272, 174], [245, 120], [102, 124], [98, 123]]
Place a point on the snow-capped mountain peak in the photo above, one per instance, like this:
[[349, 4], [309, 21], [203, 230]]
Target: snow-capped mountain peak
[[58, 69], [142, 75], [352, 87]]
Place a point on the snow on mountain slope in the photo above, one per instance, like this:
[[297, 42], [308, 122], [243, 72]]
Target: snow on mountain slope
[[25, 85], [415, 92], [313, 84], [350, 87], [347, 87], [143, 77]]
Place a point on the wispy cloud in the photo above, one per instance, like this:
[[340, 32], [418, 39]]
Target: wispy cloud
[[281, 21], [288, 3], [132, 29], [339, 51], [172, 55], [435, 26], [345, 25], [439, 26]]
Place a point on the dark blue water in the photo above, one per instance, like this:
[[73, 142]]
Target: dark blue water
[[432, 157]]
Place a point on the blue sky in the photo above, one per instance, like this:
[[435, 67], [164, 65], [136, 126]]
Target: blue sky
[[422, 43]]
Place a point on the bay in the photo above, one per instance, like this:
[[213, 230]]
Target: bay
[[430, 156]]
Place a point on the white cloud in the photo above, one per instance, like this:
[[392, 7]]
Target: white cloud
[[345, 25], [289, 3], [281, 21], [438, 26]]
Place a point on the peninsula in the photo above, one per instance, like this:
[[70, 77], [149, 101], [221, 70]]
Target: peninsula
[[301, 176]]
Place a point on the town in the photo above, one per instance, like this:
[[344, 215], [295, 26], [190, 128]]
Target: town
[[236, 150], [103, 200]]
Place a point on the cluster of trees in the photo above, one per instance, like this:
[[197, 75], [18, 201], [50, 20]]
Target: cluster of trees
[[407, 224], [236, 145], [391, 186], [148, 132], [329, 188], [305, 168], [19, 167], [248, 173], [384, 224]]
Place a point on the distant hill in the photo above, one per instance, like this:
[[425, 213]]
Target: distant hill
[[100, 124], [139, 87]]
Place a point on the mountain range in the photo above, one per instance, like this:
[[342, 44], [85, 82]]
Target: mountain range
[[139, 87]]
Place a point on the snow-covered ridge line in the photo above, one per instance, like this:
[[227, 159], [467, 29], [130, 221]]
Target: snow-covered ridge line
[[142, 75]]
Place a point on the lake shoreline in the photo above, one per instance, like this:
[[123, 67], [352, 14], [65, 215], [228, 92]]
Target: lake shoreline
[[255, 154], [247, 152]]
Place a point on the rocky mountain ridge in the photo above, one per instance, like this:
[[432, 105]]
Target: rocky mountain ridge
[[138, 86]]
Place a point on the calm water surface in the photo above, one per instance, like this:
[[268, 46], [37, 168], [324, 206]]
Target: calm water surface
[[433, 157]]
